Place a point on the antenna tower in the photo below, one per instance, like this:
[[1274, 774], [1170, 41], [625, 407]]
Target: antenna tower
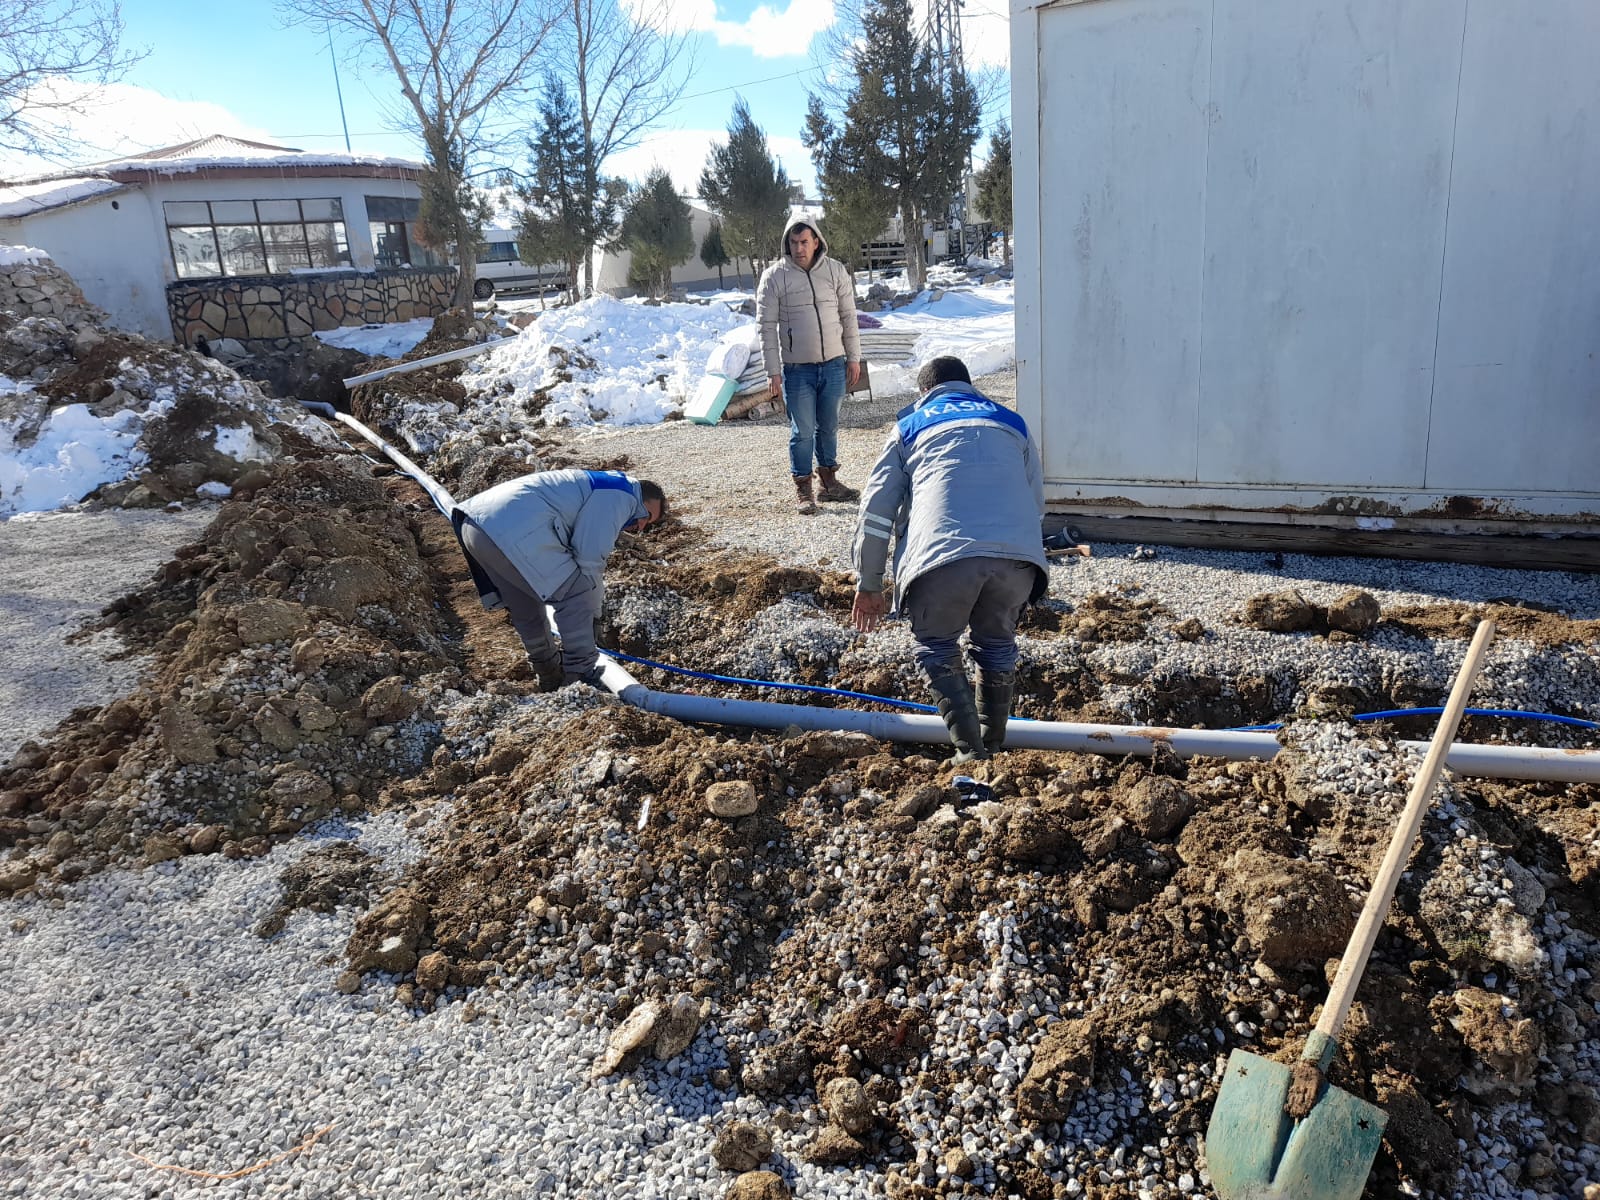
[[944, 42]]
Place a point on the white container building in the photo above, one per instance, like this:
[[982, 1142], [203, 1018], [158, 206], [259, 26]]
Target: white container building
[[1322, 263]]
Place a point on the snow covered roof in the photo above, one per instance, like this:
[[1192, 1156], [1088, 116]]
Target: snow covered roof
[[25, 199], [223, 156], [219, 150]]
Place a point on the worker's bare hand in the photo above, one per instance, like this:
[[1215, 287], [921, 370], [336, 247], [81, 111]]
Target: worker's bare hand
[[852, 374], [868, 610], [775, 382]]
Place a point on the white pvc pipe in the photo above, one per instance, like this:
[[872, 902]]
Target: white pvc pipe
[[1484, 762], [432, 360], [442, 499]]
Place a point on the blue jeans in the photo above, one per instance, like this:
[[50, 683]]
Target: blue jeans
[[812, 393]]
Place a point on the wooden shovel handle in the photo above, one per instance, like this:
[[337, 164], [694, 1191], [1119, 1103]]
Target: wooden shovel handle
[[1365, 936]]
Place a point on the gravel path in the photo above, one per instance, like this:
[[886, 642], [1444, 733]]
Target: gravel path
[[59, 570]]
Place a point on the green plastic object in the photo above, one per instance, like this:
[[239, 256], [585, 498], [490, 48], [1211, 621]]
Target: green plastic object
[[1256, 1151], [710, 399]]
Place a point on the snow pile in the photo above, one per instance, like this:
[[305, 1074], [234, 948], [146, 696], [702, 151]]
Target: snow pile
[[603, 360], [616, 362], [71, 453], [974, 324], [15, 255]]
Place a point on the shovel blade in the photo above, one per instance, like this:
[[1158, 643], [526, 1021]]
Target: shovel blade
[[1255, 1151]]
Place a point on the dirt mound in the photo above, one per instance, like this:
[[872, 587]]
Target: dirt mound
[[1514, 618], [297, 646], [198, 423]]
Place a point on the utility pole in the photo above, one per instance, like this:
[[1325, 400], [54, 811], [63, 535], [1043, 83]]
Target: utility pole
[[338, 91]]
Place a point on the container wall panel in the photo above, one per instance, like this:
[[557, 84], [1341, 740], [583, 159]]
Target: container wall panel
[[1326, 193], [1121, 191], [1517, 405]]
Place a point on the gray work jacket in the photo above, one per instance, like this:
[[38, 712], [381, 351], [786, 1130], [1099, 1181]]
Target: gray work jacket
[[959, 478], [554, 523]]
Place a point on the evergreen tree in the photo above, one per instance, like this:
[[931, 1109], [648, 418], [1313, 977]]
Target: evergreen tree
[[712, 251], [856, 203], [994, 186], [452, 213], [656, 231], [905, 125], [561, 219], [746, 188]]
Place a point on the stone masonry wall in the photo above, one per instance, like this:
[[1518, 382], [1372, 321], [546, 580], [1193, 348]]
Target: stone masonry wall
[[274, 312], [42, 289]]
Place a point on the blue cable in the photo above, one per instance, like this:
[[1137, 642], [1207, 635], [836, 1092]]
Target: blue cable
[[1389, 713]]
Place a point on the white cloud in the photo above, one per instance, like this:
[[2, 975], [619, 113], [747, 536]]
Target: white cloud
[[118, 119], [766, 32], [683, 153], [986, 34]]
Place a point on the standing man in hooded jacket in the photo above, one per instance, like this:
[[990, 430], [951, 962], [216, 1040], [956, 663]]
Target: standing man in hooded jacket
[[960, 487], [806, 311], [543, 539]]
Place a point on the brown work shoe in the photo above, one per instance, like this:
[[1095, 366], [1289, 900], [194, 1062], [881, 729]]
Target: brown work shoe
[[832, 489], [804, 503]]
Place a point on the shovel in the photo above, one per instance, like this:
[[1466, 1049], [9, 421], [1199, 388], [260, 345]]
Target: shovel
[[1279, 1132]]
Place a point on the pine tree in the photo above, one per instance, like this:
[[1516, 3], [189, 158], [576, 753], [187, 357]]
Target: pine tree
[[656, 231], [451, 214], [902, 127], [994, 186], [856, 204], [564, 214], [712, 251], [746, 188]]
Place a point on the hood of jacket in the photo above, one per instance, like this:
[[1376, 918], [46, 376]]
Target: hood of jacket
[[822, 242]]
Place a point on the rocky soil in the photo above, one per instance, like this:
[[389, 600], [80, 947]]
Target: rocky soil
[[1029, 992]]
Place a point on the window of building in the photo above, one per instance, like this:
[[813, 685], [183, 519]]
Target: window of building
[[255, 237], [393, 224]]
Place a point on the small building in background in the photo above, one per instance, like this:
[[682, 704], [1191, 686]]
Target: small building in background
[[223, 238], [611, 265], [1330, 262]]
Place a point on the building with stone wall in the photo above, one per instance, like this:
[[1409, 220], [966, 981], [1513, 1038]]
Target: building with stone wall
[[223, 238]]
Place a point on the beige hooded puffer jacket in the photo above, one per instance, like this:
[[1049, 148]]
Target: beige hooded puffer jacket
[[807, 316]]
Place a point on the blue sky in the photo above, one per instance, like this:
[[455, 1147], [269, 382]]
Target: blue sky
[[239, 69]]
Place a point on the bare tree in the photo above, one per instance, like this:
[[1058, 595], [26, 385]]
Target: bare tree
[[458, 65], [624, 64], [49, 49]]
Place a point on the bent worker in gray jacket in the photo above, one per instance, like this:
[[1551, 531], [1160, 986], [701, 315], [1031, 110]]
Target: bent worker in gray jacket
[[961, 488], [543, 539]]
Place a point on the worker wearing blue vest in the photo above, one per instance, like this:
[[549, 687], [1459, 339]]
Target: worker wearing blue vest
[[543, 539], [960, 487]]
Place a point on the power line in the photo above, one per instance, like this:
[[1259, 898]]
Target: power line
[[733, 87]]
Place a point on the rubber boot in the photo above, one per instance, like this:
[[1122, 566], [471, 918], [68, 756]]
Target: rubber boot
[[547, 669], [832, 489], [994, 706], [804, 503], [959, 709]]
